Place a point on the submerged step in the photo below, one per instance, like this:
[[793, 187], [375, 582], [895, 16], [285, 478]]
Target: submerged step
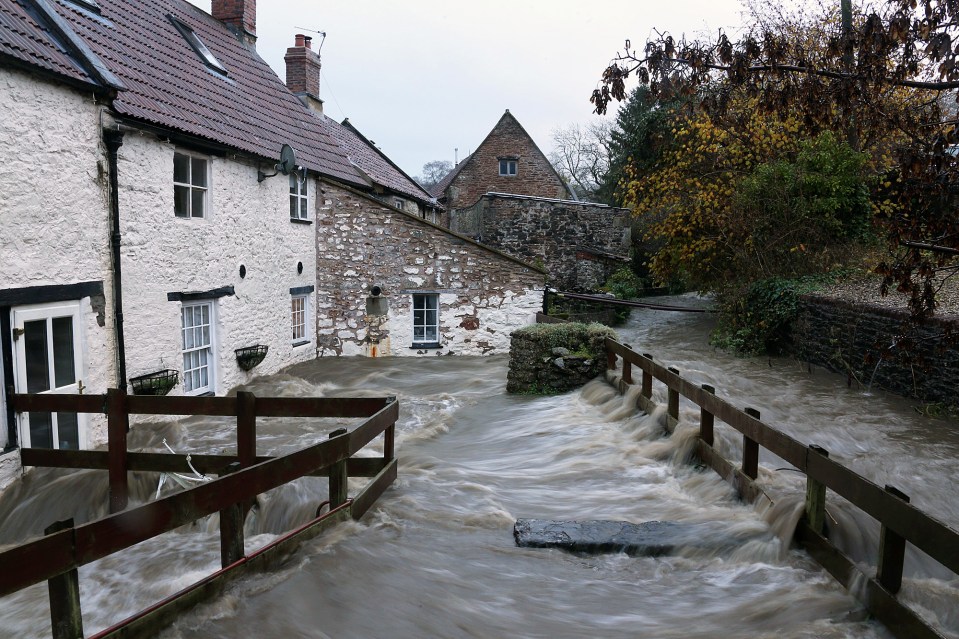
[[649, 539]]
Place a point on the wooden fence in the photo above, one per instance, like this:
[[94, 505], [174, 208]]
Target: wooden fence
[[900, 521], [56, 557]]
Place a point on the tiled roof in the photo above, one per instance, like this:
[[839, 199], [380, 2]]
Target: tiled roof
[[27, 39], [439, 189], [168, 84], [374, 163]]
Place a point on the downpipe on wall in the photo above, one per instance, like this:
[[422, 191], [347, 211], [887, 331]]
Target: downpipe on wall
[[113, 138]]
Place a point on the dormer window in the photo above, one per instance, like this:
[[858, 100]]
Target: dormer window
[[507, 166], [194, 41]]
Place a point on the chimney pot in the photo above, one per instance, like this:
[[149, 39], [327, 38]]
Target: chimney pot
[[300, 39], [308, 41]]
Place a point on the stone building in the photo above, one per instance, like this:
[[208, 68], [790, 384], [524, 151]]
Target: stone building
[[507, 195], [580, 243], [507, 161]]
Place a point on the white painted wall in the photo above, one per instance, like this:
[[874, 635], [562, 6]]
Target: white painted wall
[[248, 224], [498, 315], [54, 212]]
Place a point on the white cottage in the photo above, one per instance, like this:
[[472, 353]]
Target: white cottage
[[147, 233]]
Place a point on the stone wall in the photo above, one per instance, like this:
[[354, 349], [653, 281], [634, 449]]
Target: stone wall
[[361, 243], [551, 358], [480, 173], [848, 338], [569, 238]]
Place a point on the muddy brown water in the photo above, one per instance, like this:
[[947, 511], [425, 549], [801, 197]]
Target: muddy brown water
[[436, 557]]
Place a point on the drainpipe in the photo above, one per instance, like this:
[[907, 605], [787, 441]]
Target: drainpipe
[[114, 140]]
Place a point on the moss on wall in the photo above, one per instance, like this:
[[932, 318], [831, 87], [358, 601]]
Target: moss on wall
[[547, 359]]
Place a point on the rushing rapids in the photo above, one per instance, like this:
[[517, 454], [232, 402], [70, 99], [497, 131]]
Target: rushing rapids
[[436, 556]]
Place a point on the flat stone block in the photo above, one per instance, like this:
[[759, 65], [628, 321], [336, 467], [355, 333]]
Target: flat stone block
[[647, 539]]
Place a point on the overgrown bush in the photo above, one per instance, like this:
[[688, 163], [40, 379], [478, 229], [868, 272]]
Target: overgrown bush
[[625, 284], [758, 320]]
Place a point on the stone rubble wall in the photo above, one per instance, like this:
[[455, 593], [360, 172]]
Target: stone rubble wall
[[553, 233], [362, 243], [551, 358], [847, 338]]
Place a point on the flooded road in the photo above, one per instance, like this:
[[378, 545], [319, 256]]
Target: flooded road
[[436, 557]]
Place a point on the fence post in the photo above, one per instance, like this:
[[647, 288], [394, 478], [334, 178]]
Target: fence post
[[389, 436], [815, 494], [751, 451], [338, 477], [610, 359], [246, 428], [647, 390], [231, 528], [64, 590], [118, 423], [706, 419], [672, 404], [892, 552]]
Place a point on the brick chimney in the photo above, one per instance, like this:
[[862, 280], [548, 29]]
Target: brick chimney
[[239, 15], [303, 72]]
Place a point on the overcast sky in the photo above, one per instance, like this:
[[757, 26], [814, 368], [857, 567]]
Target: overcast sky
[[422, 78]]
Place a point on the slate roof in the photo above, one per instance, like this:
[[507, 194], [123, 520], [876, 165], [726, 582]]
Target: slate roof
[[374, 162], [168, 85]]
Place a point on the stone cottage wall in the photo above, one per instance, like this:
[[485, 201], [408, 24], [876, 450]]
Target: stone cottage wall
[[551, 233], [534, 174], [362, 243], [847, 338]]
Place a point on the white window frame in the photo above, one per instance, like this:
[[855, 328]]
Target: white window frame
[[400, 204], [509, 164], [189, 346], [426, 302], [203, 189], [299, 197], [303, 336]]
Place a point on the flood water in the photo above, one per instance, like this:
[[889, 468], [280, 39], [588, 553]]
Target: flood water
[[435, 557]]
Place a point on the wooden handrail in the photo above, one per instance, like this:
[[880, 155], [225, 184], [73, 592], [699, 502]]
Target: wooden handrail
[[243, 477], [930, 535]]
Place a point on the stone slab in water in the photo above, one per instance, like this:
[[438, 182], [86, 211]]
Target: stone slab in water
[[651, 538]]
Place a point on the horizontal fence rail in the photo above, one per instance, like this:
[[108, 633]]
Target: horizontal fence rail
[[56, 556], [901, 522]]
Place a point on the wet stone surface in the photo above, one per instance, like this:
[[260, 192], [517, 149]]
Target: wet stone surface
[[648, 539]]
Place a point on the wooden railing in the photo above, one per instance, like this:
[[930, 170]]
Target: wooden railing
[[901, 522], [57, 556]]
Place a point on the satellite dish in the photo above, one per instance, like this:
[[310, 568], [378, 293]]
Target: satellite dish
[[287, 160], [286, 165]]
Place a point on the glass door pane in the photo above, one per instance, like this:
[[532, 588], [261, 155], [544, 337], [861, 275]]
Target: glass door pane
[[68, 431], [64, 367], [37, 356], [41, 430]]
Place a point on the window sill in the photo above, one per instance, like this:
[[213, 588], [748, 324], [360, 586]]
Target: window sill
[[297, 220], [302, 342], [426, 345]]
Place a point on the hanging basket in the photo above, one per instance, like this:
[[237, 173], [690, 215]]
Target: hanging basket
[[249, 356], [158, 383]]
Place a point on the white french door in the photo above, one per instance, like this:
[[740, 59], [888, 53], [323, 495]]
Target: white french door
[[49, 359]]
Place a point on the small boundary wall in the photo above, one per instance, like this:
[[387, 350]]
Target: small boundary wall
[[849, 338]]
